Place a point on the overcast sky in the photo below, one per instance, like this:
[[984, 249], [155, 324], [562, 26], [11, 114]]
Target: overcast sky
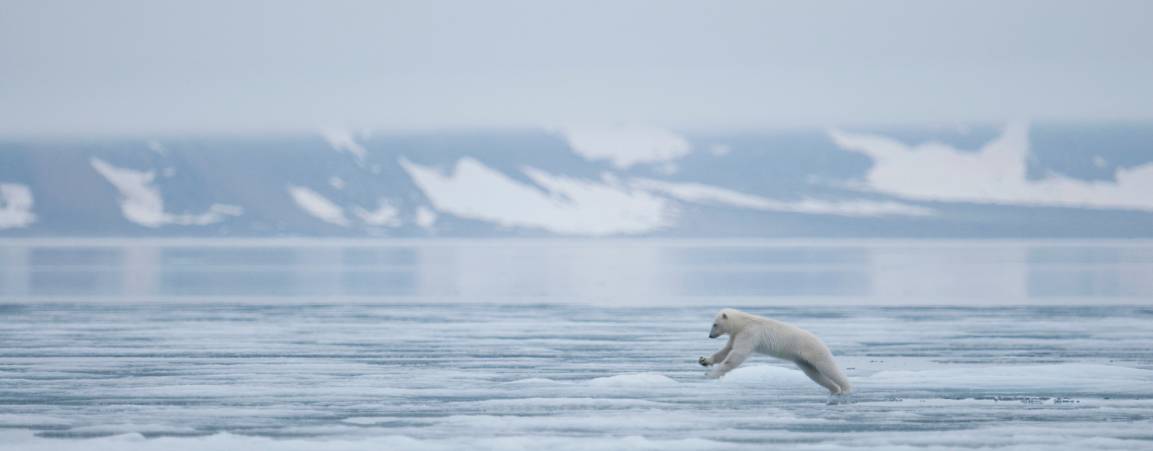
[[187, 66]]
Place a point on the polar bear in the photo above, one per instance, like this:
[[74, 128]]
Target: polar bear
[[750, 333]]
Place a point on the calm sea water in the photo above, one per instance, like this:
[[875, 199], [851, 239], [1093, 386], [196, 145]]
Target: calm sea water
[[656, 273], [569, 345]]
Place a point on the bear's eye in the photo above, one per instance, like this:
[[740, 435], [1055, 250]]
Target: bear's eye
[[714, 324]]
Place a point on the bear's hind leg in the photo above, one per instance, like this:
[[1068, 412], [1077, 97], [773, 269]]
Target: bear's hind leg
[[829, 369], [818, 377]]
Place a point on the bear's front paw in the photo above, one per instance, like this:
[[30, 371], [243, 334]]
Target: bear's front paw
[[714, 374], [704, 361]]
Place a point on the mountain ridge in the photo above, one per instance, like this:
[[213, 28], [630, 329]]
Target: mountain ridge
[[1013, 181]]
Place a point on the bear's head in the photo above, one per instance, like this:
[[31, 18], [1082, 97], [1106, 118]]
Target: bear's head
[[722, 323]]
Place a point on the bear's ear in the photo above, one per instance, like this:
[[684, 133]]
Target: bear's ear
[[724, 316]]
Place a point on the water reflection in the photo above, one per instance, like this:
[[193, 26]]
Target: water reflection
[[619, 271]]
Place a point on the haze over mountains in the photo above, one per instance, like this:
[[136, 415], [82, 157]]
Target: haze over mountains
[[1011, 180]]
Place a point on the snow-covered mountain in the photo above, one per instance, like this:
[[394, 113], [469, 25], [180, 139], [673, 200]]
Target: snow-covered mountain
[[1014, 180]]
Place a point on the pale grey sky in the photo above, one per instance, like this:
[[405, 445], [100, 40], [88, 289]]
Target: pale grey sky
[[151, 66]]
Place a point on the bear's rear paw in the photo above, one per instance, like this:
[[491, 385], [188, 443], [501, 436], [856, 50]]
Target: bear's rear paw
[[704, 361]]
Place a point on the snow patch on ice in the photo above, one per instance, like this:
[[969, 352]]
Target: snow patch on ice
[[994, 174], [367, 420], [27, 441], [565, 205], [766, 374], [708, 194], [632, 380], [551, 403], [1066, 377], [131, 428], [534, 381], [625, 146], [317, 205], [15, 206], [141, 202], [8, 420]]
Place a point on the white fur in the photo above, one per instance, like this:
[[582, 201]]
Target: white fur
[[751, 333]]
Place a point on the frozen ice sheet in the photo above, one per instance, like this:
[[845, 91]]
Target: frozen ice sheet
[[491, 376]]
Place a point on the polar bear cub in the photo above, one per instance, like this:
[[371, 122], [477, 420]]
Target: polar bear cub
[[750, 333]]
